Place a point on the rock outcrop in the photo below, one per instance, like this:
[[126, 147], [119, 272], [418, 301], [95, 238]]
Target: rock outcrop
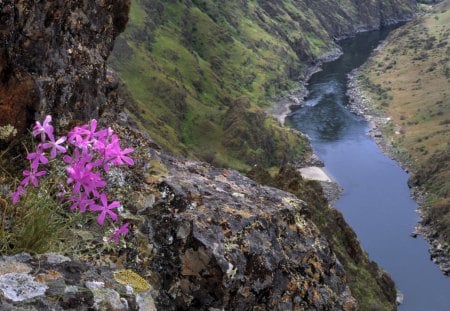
[[204, 238], [56, 282], [52, 59], [234, 244]]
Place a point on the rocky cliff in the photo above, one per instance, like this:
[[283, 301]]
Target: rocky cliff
[[372, 287], [52, 59]]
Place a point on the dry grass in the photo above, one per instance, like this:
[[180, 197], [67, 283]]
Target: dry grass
[[409, 81], [36, 224], [414, 71]]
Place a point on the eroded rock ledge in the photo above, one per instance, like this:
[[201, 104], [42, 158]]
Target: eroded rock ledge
[[238, 245]]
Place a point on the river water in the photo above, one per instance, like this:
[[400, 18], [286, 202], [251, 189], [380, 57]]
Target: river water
[[376, 200]]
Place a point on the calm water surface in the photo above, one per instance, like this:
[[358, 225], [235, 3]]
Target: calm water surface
[[376, 201]]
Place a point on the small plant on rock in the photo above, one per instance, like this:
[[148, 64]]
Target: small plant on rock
[[77, 164]]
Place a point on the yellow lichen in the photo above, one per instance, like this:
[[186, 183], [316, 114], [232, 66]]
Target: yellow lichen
[[131, 278]]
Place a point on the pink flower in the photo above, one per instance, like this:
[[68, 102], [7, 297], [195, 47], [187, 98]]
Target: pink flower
[[72, 159], [85, 136], [122, 159], [88, 155], [31, 176], [79, 137], [104, 134], [15, 196], [81, 174], [116, 155], [55, 146], [92, 134], [105, 209], [37, 157], [45, 129], [121, 231], [80, 202]]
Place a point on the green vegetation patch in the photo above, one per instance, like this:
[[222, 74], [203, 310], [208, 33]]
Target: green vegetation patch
[[186, 66]]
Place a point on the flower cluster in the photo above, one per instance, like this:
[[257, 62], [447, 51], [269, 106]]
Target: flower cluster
[[88, 154]]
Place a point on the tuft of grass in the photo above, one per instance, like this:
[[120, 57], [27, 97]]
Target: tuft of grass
[[36, 224]]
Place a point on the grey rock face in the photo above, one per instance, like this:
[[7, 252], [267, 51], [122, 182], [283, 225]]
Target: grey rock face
[[53, 59], [20, 286], [216, 239]]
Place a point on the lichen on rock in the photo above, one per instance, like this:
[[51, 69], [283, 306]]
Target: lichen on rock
[[131, 278], [20, 286], [212, 248]]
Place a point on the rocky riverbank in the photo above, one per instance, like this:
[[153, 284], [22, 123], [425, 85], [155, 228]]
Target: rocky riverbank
[[360, 104]]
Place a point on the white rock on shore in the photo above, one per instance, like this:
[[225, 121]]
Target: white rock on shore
[[315, 173]]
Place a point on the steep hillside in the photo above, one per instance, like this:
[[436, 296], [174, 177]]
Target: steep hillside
[[408, 80], [198, 74]]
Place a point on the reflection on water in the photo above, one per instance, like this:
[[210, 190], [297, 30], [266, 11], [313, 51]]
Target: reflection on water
[[376, 201], [324, 118]]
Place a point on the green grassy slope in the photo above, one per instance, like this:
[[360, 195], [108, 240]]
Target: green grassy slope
[[190, 65], [409, 80]]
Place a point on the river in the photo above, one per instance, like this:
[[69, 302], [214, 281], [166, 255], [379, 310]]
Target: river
[[376, 200]]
